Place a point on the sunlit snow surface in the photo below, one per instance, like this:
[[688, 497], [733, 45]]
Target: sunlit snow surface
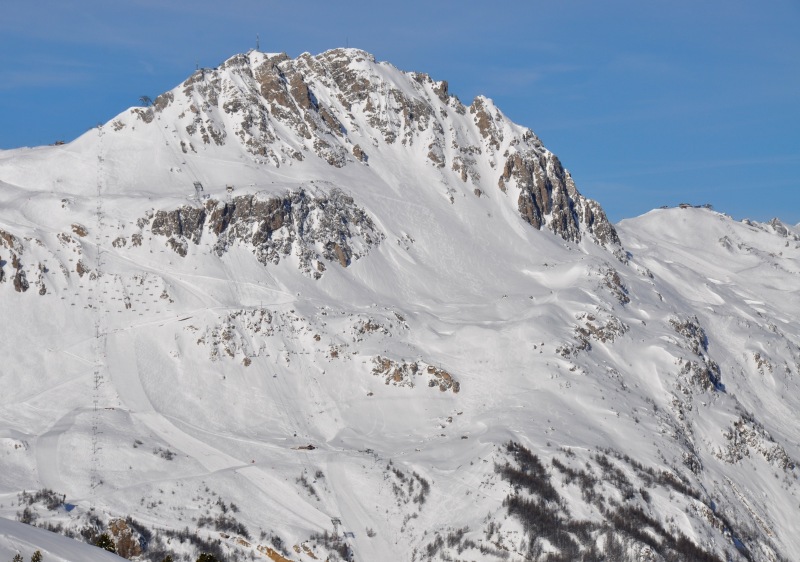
[[18, 538], [235, 367]]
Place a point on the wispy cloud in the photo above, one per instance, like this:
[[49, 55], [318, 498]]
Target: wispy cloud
[[36, 70], [677, 167], [644, 64], [37, 78], [524, 76], [47, 60], [147, 67]]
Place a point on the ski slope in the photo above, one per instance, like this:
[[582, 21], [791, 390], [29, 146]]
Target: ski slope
[[311, 386], [18, 538]]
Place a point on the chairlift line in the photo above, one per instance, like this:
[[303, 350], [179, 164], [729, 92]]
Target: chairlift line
[[99, 332], [193, 175]]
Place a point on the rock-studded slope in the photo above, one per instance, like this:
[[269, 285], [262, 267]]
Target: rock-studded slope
[[317, 307]]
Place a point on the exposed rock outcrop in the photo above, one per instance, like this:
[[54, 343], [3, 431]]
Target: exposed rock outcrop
[[330, 105], [329, 227], [14, 245], [548, 198], [401, 373], [702, 372]]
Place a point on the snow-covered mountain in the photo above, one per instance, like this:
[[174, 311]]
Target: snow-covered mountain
[[315, 308]]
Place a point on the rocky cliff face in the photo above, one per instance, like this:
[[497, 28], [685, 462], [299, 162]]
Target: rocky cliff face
[[342, 105], [317, 229], [548, 197]]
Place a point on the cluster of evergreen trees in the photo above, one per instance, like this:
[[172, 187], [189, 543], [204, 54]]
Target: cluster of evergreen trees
[[105, 542], [35, 557], [537, 505]]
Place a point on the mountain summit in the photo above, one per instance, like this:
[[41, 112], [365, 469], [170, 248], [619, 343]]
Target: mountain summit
[[278, 118], [318, 308]]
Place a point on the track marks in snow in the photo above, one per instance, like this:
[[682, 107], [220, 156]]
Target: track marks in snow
[[47, 448]]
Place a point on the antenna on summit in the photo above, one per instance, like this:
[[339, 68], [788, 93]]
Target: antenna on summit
[[258, 43]]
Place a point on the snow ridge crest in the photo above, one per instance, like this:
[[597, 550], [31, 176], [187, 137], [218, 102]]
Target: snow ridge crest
[[344, 108]]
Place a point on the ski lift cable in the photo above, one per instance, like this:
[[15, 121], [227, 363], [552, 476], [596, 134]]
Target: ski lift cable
[[100, 341]]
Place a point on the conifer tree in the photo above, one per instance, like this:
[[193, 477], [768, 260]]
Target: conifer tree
[[106, 543]]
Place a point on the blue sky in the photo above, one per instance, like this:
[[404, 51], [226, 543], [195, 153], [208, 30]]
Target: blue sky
[[647, 103]]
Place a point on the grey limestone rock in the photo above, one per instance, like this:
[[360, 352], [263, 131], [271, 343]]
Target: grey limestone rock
[[282, 109], [323, 227]]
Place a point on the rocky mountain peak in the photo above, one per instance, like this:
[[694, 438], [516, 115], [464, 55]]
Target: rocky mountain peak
[[347, 109], [301, 294]]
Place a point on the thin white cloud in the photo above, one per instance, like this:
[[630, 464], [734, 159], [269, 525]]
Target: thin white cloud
[[37, 78], [678, 167], [43, 70]]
